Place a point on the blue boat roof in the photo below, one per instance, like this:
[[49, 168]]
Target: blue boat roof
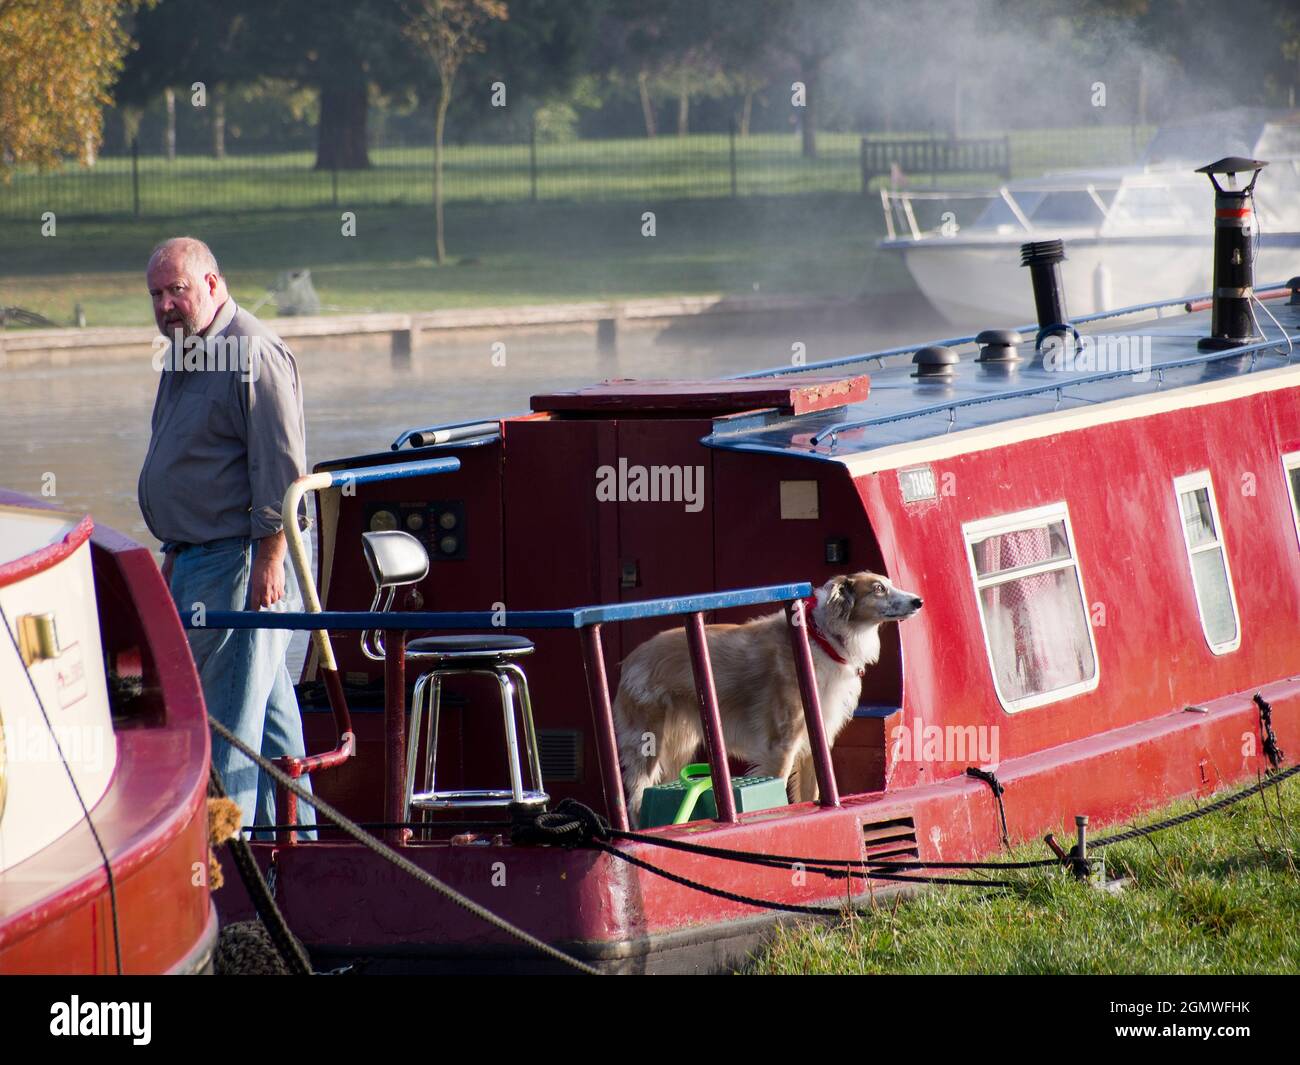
[[1160, 342]]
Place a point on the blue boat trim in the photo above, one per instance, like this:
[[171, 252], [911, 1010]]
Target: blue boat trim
[[371, 457], [785, 369], [1147, 357], [994, 240], [1186, 240], [568, 618], [394, 471], [1266, 347]]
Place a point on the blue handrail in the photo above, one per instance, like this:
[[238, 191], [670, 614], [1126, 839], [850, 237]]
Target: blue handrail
[[493, 423], [952, 342], [567, 618], [393, 471], [833, 431]]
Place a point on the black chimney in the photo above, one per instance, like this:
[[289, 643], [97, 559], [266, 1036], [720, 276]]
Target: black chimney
[[1043, 258], [1232, 323]]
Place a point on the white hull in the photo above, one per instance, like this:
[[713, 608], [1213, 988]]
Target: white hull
[[983, 286], [39, 803]]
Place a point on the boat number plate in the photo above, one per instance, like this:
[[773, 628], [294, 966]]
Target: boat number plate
[[917, 483]]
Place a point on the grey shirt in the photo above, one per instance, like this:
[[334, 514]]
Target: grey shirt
[[228, 433]]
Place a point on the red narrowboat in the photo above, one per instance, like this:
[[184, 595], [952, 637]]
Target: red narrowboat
[[103, 757], [1100, 514]]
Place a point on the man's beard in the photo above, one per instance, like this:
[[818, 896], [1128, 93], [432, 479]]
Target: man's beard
[[188, 327]]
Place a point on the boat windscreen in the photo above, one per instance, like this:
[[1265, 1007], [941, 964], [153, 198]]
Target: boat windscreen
[[1146, 205], [1280, 141], [1072, 208], [999, 213], [1191, 144]]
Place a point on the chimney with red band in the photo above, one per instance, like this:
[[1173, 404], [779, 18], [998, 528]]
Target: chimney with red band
[[1232, 324]]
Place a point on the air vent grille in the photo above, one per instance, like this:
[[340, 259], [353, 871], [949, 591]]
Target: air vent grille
[[561, 751], [894, 840]]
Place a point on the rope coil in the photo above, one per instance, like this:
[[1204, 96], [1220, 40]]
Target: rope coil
[[991, 779], [1271, 749], [388, 854]]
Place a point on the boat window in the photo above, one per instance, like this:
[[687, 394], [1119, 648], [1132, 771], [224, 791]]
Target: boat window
[[1281, 141], [1193, 142], [1074, 207], [1032, 607], [998, 213], [1211, 579], [1291, 467], [1147, 205]]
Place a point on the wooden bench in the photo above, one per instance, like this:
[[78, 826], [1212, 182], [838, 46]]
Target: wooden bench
[[948, 155]]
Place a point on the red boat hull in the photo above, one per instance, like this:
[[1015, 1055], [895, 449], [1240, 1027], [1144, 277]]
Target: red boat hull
[[56, 913]]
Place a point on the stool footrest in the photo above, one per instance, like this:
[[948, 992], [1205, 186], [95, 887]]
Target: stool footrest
[[475, 798]]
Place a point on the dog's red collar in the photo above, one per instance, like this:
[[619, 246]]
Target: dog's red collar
[[820, 638]]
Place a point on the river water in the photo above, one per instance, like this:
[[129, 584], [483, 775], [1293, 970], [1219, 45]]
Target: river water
[[80, 431], [77, 434]]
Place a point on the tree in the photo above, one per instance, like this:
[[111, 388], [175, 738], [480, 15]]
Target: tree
[[341, 48], [184, 42], [58, 60], [448, 32], [642, 39], [540, 52], [813, 31], [745, 50]]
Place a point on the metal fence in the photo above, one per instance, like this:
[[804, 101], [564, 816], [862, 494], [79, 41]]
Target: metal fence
[[700, 165]]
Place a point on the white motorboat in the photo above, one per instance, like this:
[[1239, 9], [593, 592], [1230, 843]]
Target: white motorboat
[[1133, 234]]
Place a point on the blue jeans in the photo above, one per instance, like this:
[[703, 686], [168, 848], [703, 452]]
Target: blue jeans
[[246, 682]]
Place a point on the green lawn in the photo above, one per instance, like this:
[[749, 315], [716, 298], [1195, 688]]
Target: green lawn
[[1218, 895], [508, 253], [795, 226], [667, 167]]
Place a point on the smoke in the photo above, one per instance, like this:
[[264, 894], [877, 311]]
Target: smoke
[[972, 65]]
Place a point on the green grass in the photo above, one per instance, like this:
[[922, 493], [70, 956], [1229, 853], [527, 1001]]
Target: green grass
[[666, 167], [795, 227], [509, 253], [1219, 895]]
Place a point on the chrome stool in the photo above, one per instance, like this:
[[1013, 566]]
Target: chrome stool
[[395, 559]]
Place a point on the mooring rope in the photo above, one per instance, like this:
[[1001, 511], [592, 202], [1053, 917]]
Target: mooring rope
[[785, 907], [388, 854], [1214, 807], [574, 824], [1271, 748], [282, 938], [991, 779]]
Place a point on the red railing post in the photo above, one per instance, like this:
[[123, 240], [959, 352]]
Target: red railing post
[[828, 792], [602, 712], [706, 692], [287, 801], [395, 732]]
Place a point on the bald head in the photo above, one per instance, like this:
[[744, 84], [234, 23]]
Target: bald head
[[189, 252], [186, 285]]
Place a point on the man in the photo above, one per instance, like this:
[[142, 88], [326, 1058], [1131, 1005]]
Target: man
[[228, 438]]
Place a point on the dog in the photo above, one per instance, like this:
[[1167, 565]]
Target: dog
[[656, 712]]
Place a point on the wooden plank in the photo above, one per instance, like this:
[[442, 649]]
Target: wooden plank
[[800, 396]]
